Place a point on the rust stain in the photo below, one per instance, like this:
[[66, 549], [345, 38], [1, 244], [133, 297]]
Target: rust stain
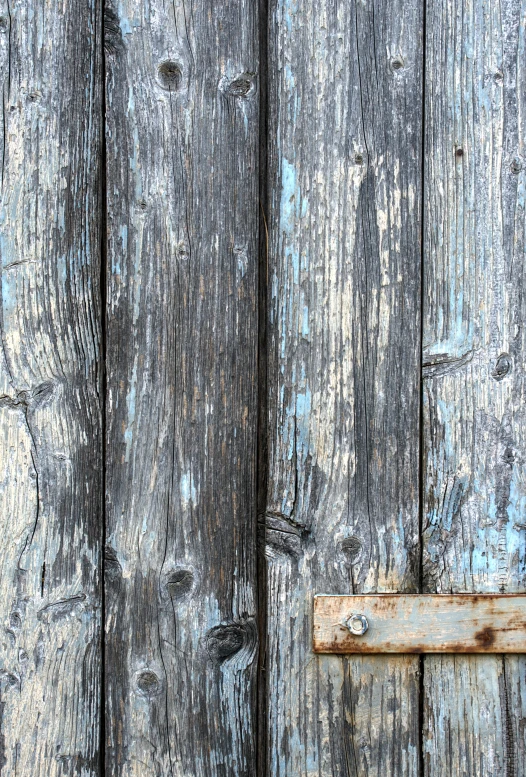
[[485, 637]]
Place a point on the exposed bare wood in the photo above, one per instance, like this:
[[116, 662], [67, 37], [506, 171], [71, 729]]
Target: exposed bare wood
[[474, 349], [345, 105], [50, 388], [182, 150]]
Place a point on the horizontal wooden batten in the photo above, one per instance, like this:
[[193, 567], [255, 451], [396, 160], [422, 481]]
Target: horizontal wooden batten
[[413, 623]]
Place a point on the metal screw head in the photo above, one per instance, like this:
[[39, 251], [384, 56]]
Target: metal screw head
[[357, 624]]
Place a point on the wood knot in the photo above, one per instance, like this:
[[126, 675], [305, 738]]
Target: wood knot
[[148, 684], [242, 86], [358, 159], [179, 583], [112, 567], [15, 621], [516, 166], [112, 32], [397, 63], [222, 642], [169, 75], [9, 680], [351, 547], [502, 367]]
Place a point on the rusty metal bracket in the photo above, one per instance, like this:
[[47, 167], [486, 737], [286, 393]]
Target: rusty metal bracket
[[420, 623]]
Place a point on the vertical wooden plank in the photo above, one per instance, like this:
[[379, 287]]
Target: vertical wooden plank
[[345, 105], [50, 380], [182, 173], [474, 411]]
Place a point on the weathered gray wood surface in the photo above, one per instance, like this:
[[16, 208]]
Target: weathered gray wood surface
[[415, 623], [50, 388], [474, 409], [345, 106], [182, 180], [342, 192]]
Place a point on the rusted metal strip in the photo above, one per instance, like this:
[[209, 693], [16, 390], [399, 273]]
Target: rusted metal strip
[[413, 623]]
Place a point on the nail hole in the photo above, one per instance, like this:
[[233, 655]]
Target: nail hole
[[170, 75], [516, 166], [358, 159], [498, 77], [142, 204], [459, 152]]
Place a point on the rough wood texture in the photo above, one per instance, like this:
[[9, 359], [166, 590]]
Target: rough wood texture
[[345, 103], [182, 148], [463, 623], [474, 337], [50, 378]]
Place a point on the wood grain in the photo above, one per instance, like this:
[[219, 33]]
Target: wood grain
[[462, 623], [182, 150], [50, 388], [344, 134], [474, 337]]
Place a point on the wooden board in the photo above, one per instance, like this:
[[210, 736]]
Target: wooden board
[[51, 481], [463, 623], [344, 185], [182, 182], [474, 366]]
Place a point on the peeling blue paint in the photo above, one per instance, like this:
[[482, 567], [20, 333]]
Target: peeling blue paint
[[130, 408]]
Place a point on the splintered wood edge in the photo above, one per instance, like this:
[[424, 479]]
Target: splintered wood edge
[[421, 623]]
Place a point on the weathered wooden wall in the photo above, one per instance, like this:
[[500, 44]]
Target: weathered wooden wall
[[287, 277]]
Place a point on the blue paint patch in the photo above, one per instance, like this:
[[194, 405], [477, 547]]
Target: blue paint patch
[[125, 25], [305, 322], [188, 489], [130, 408], [8, 295]]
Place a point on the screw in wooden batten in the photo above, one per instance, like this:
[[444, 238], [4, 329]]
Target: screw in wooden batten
[[357, 624]]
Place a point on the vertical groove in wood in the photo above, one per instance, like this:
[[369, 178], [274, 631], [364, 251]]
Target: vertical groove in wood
[[345, 107], [50, 384], [262, 432], [182, 151], [474, 412]]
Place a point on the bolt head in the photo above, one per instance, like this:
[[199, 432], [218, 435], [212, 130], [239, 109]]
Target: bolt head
[[357, 624]]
